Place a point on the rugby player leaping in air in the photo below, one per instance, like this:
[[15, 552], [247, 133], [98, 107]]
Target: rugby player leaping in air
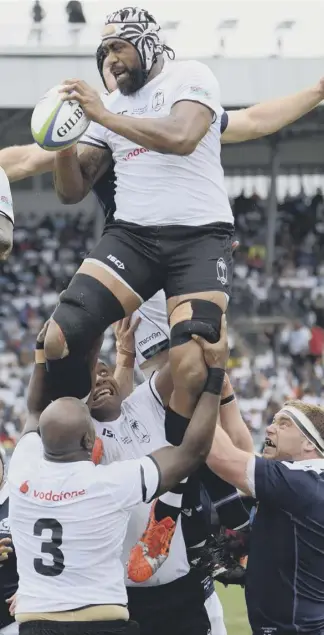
[[173, 225]]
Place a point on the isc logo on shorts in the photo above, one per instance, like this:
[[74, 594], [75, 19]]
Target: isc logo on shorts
[[117, 262]]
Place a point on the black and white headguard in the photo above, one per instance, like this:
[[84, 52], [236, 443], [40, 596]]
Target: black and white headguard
[[139, 28]]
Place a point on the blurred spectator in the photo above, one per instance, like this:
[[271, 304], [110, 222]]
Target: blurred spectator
[[38, 15], [316, 344], [298, 340], [38, 12], [76, 19], [75, 12]]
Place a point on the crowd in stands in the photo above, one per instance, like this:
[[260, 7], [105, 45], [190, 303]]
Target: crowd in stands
[[277, 322]]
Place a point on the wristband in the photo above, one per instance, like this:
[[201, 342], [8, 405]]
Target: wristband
[[124, 351], [227, 400], [125, 360], [215, 379]]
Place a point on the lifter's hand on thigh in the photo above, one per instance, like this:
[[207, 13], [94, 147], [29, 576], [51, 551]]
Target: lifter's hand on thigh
[[125, 335], [12, 604], [215, 355]]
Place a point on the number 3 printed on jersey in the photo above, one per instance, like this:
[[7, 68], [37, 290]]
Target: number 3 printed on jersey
[[51, 546]]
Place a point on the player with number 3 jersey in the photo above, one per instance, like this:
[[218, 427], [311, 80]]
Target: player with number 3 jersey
[[69, 517]]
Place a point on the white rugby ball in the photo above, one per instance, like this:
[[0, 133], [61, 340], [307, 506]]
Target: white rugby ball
[[57, 124]]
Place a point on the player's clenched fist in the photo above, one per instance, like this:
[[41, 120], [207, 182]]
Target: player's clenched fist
[[87, 96], [216, 355]]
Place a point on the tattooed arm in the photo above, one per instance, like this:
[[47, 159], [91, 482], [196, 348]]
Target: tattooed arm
[[77, 169]]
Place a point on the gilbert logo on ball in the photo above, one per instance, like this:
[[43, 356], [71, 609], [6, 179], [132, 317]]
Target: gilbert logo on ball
[[57, 124]]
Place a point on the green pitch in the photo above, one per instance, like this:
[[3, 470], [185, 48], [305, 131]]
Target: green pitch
[[233, 603]]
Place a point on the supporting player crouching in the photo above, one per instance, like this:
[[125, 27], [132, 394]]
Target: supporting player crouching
[[190, 317]]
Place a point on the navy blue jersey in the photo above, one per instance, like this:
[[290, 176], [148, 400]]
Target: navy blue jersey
[[8, 568], [200, 515], [104, 190], [285, 574]]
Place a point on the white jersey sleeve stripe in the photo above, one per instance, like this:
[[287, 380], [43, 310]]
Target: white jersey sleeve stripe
[[92, 144], [224, 121], [153, 389], [158, 482], [95, 135], [90, 140], [250, 475]]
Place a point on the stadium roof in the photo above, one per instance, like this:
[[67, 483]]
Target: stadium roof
[[205, 28]]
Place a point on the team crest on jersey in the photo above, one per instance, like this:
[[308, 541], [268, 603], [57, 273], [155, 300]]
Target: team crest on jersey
[[158, 100], [4, 526], [221, 267], [140, 431]]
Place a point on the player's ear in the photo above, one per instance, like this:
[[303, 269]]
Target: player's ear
[[308, 446], [87, 442]]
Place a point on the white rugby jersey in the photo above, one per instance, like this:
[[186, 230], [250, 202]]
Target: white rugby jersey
[[139, 431], [165, 189], [153, 332], [6, 207], [68, 524]]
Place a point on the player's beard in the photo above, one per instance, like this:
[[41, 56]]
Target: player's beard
[[134, 80]]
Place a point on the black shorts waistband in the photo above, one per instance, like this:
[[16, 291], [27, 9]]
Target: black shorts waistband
[[103, 627], [172, 231], [124, 223]]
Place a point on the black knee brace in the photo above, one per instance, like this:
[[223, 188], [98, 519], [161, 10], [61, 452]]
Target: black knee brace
[[86, 309], [205, 321]]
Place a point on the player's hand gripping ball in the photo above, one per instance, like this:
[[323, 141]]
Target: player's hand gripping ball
[[57, 124]]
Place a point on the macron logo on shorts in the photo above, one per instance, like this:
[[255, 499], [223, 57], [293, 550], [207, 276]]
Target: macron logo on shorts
[[116, 262], [149, 338]]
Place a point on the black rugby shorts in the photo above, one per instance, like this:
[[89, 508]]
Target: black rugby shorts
[[107, 627], [177, 258], [177, 608]]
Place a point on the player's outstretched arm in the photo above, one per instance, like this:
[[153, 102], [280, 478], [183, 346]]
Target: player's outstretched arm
[[231, 419], [38, 395], [77, 169], [228, 462], [270, 116], [20, 162], [175, 463]]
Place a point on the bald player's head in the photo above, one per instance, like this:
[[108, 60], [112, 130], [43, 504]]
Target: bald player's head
[[67, 430]]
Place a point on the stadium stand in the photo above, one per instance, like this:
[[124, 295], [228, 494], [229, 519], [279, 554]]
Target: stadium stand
[[277, 312]]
